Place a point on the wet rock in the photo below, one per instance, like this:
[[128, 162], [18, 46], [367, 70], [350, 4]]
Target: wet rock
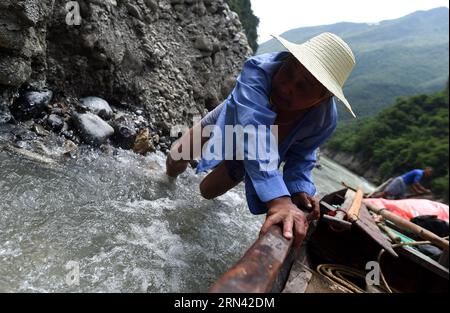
[[24, 152], [68, 133], [97, 106], [155, 139], [22, 144], [141, 122], [14, 71], [92, 129], [55, 122], [5, 116], [107, 149], [57, 111], [124, 132], [31, 104], [70, 148], [143, 143], [22, 134], [38, 129]]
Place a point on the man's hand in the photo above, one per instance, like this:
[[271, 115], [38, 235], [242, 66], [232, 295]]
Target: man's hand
[[304, 201], [419, 189], [282, 210]]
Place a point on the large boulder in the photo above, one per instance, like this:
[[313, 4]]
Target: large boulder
[[31, 104], [91, 128], [97, 106]]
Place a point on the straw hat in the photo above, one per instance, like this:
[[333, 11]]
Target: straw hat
[[328, 58]]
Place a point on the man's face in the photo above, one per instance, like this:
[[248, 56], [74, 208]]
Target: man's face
[[294, 87]]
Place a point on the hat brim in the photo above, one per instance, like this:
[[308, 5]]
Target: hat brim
[[306, 58]]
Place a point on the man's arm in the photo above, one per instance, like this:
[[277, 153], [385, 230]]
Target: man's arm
[[300, 161], [418, 188], [248, 106]]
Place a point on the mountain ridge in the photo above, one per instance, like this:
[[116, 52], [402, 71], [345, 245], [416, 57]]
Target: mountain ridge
[[398, 57]]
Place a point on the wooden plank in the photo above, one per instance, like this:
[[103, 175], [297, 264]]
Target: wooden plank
[[421, 259], [367, 224], [365, 221], [302, 279], [349, 196], [353, 211], [263, 268]]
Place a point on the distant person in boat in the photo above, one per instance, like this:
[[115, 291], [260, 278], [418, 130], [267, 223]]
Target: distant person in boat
[[398, 187], [292, 90]]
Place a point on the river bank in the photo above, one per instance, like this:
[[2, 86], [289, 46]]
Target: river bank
[[355, 163]]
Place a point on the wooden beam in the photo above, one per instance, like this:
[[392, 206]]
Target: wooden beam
[[263, 268], [353, 212]]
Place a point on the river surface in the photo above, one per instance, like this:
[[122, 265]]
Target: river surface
[[115, 223]]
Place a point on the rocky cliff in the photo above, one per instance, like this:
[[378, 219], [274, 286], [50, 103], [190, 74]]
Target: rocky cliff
[[162, 60], [355, 163]]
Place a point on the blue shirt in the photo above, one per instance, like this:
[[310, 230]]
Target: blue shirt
[[248, 104], [412, 177]]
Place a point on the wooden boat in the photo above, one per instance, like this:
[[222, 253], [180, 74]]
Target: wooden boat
[[335, 258]]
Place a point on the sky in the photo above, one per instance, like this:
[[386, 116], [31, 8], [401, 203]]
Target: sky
[[278, 16]]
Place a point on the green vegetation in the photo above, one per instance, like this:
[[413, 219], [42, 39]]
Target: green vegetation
[[249, 21], [394, 58], [412, 133]]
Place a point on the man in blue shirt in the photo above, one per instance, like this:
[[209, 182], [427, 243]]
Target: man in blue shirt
[[397, 188], [284, 98]]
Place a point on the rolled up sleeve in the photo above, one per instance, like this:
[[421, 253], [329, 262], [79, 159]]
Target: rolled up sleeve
[[248, 104]]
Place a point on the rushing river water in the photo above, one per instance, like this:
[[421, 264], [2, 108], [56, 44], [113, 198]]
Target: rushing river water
[[117, 221]]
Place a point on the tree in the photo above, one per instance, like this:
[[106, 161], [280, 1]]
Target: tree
[[249, 21]]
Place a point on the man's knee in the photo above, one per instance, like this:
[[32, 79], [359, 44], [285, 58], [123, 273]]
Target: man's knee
[[206, 191]]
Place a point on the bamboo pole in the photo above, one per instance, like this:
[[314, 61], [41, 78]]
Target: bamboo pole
[[393, 236], [380, 188], [353, 212], [416, 229]]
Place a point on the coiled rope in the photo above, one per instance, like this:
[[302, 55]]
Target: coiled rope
[[339, 273]]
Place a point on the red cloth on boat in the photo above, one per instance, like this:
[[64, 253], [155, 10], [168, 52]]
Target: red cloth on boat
[[410, 208]]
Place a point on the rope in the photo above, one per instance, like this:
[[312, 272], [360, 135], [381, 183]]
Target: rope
[[415, 243], [336, 273]]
